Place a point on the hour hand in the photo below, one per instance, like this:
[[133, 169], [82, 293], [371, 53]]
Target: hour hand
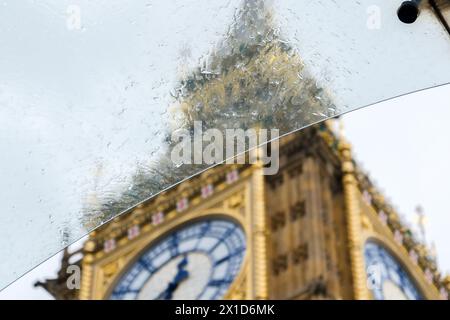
[[181, 275]]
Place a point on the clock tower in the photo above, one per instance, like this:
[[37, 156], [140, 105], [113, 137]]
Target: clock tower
[[318, 229]]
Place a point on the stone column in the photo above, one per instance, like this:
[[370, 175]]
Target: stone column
[[353, 217]]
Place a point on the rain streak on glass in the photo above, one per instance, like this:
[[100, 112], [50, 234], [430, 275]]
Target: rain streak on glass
[[91, 92]]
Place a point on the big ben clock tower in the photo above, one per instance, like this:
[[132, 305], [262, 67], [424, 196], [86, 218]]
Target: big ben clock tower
[[318, 229]]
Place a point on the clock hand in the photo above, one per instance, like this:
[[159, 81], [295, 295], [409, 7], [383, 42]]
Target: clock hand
[[181, 275]]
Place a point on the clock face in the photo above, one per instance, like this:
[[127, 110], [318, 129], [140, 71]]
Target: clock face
[[198, 261], [387, 279]]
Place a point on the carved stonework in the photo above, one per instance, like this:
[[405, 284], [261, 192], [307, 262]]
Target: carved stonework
[[236, 201], [278, 220], [280, 264], [108, 271], [298, 210], [300, 253]]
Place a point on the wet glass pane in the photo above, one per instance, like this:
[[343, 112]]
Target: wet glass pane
[[409, 170], [92, 93]]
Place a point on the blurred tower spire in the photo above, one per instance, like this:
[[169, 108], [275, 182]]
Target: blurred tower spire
[[433, 251], [421, 221], [252, 25]]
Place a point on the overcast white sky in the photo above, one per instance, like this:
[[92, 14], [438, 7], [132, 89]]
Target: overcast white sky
[[403, 144]]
